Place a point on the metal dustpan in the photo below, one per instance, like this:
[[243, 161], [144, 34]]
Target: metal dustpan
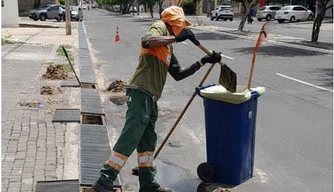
[[228, 78]]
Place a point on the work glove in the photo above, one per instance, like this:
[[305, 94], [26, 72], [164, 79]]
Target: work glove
[[184, 35], [214, 58]]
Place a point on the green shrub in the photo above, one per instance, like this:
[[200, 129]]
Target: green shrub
[[62, 2], [189, 7]]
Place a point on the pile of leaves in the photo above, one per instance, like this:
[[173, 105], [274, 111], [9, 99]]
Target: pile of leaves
[[55, 72], [47, 90], [118, 100], [117, 86], [33, 104]]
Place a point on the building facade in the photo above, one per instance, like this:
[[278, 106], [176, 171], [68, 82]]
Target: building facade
[[10, 13]]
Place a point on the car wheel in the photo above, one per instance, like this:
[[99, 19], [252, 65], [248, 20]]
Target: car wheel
[[42, 17], [268, 18], [292, 19], [259, 19], [217, 18], [211, 17], [224, 19], [35, 19], [58, 19], [310, 17], [280, 21], [231, 19]]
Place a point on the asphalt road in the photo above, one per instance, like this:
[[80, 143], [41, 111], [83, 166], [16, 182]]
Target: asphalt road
[[294, 120], [301, 30]]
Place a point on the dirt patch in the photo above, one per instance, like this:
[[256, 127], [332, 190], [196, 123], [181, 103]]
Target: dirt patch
[[32, 104], [49, 90], [168, 113], [55, 72], [117, 86], [118, 99]]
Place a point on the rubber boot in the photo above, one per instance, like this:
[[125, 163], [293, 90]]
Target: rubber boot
[[98, 187], [135, 171]]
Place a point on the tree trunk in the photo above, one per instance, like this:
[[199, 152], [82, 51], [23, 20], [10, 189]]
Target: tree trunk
[[37, 4], [244, 17], [151, 10], [316, 26], [160, 7]]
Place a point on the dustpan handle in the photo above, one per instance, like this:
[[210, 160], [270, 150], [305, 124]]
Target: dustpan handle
[[197, 43]]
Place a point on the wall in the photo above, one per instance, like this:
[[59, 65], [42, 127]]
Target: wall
[[10, 13]]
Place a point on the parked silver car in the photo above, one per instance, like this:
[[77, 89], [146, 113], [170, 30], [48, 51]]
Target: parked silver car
[[45, 12], [267, 12]]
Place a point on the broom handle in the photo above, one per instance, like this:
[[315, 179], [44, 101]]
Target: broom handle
[[71, 65], [196, 42], [258, 42], [251, 71], [182, 113]]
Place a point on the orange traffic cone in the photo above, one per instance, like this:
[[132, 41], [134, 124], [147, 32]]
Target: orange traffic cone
[[117, 38]]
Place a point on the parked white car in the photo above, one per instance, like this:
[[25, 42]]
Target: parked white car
[[293, 13], [222, 12], [267, 12]]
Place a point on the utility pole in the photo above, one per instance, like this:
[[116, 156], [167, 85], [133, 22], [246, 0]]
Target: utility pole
[[68, 17]]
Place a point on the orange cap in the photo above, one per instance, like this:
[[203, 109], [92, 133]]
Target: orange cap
[[174, 16]]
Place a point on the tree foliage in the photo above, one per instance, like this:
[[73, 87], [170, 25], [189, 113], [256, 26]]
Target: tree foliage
[[246, 6], [189, 6], [62, 2], [323, 6]]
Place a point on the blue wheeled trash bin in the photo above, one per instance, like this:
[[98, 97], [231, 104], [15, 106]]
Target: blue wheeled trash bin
[[230, 124]]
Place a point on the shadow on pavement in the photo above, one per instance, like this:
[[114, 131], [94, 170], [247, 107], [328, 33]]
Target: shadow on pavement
[[282, 51], [325, 75], [322, 45], [213, 36]]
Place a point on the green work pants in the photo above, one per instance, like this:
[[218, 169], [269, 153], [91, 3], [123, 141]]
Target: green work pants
[[138, 132]]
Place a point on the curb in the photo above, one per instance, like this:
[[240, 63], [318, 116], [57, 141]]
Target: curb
[[36, 25]]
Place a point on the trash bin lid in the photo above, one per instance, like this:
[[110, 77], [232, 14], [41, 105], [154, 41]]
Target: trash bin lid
[[242, 94]]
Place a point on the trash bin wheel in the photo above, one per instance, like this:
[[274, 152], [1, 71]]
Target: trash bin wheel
[[202, 187], [206, 172]]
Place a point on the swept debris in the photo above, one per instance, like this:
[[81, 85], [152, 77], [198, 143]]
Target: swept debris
[[33, 104], [117, 86], [48, 90], [118, 100], [55, 72]]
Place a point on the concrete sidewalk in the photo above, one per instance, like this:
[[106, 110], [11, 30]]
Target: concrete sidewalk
[[34, 148], [50, 23]]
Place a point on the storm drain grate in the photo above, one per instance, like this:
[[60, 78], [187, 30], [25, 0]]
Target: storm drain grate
[[58, 185], [70, 83], [67, 115], [94, 151], [91, 102]]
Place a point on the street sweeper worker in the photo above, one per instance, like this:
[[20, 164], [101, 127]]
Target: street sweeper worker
[[145, 87]]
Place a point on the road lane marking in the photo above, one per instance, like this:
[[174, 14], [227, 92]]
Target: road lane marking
[[231, 58], [143, 28], [303, 82], [134, 25], [84, 27], [185, 43]]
